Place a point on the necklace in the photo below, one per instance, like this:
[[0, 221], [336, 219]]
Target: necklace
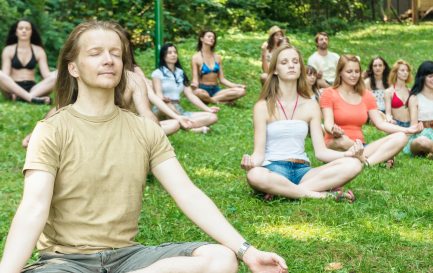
[[294, 108]]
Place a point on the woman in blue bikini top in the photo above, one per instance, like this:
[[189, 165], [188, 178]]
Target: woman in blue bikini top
[[207, 73]]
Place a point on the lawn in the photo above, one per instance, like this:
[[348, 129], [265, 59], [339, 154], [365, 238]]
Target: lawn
[[388, 229]]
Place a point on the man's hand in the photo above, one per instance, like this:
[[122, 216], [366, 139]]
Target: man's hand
[[264, 262]]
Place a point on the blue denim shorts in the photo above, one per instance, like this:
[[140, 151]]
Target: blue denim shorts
[[211, 89], [290, 170], [402, 123]]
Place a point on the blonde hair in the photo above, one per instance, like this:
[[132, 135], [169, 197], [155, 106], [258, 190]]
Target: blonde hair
[[392, 78], [344, 59], [66, 85], [271, 89]]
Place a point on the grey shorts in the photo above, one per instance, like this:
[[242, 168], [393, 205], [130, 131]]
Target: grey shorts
[[120, 260]]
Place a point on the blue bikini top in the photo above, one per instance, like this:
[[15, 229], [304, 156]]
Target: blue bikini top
[[205, 68]]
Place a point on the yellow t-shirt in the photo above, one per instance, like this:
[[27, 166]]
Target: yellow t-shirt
[[100, 164]]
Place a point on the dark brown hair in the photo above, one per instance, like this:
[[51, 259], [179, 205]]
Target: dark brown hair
[[201, 35]]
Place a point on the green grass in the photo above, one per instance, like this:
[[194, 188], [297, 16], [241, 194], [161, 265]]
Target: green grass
[[388, 229]]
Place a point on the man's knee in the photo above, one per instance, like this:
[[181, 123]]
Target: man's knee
[[219, 257]]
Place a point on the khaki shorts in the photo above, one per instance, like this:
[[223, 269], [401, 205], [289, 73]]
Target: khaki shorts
[[120, 260]]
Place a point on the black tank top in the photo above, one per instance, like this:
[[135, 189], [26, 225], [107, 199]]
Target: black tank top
[[16, 63]]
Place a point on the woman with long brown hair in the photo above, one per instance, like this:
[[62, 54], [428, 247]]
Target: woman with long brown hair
[[346, 107], [283, 116], [207, 73]]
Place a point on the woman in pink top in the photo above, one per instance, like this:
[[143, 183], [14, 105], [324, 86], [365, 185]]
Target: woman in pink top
[[346, 107]]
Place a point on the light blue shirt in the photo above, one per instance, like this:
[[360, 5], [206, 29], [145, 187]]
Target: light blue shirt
[[171, 83]]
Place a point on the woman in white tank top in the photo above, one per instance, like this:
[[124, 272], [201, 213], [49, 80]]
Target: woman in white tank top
[[421, 110], [282, 117]]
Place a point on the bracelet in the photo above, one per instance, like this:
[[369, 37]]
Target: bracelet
[[244, 247]]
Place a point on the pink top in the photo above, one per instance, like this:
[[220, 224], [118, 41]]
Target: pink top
[[350, 117]]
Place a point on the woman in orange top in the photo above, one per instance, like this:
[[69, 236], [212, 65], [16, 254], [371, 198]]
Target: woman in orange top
[[346, 107]]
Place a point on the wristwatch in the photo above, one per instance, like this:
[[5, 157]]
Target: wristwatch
[[244, 247]]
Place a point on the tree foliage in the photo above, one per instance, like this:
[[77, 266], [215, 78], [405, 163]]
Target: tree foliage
[[56, 18]]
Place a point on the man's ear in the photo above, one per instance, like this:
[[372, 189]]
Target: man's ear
[[72, 68]]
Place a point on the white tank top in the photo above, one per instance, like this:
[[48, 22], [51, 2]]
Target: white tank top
[[285, 139], [425, 108]]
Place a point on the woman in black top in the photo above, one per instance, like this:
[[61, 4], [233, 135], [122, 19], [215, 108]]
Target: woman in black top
[[23, 52]]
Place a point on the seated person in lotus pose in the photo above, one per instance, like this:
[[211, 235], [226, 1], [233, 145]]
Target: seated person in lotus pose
[[207, 73], [421, 110], [169, 81], [377, 80], [85, 172], [311, 73], [324, 60], [136, 98], [139, 92], [283, 116], [346, 107], [397, 94], [276, 37], [24, 50]]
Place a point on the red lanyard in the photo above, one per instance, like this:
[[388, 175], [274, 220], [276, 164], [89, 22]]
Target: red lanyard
[[294, 108]]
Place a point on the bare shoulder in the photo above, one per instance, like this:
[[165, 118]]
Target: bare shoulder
[[261, 107], [367, 83], [196, 56], [9, 50], [389, 91], [39, 51], [310, 104], [413, 100], [218, 57]]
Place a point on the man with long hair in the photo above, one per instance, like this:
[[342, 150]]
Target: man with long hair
[[85, 172]]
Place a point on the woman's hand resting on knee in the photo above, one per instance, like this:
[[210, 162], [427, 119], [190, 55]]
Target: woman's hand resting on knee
[[250, 161], [356, 151], [414, 129]]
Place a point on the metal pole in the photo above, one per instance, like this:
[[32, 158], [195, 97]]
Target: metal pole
[[158, 29], [415, 12]]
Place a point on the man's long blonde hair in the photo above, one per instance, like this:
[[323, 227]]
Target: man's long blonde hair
[[66, 85], [271, 89]]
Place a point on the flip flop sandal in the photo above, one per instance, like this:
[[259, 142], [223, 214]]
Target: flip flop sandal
[[268, 197], [389, 164], [341, 196]]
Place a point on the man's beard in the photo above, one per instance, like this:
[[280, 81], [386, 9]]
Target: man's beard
[[323, 46]]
